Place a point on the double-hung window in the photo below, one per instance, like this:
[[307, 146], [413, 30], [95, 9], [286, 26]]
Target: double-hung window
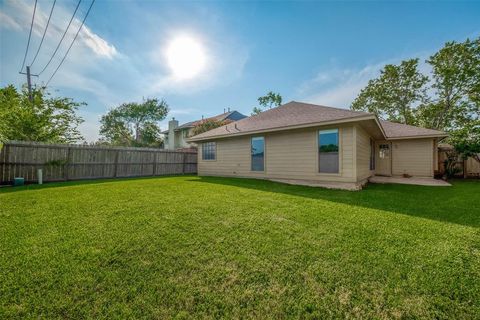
[[209, 150], [258, 153], [328, 158]]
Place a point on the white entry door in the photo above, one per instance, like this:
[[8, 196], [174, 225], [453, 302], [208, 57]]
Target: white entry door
[[383, 158]]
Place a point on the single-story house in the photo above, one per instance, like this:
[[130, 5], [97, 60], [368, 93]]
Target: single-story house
[[176, 136], [307, 142]]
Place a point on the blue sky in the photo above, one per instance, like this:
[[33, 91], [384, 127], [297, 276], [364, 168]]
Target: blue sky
[[319, 52]]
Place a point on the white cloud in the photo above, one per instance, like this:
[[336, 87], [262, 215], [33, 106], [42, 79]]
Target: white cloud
[[97, 44], [143, 73], [339, 87], [17, 16], [97, 88], [97, 73], [8, 22]]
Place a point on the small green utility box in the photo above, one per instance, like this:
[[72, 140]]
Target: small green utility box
[[18, 182]]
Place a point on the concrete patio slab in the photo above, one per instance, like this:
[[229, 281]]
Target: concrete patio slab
[[328, 185], [414, 181]]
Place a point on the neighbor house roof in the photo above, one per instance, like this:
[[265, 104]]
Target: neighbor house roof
[[298, 115], [230, 115], [220, 117]]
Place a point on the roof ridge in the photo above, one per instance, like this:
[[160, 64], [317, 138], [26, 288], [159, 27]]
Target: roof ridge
[[285, 116], [329, 107]]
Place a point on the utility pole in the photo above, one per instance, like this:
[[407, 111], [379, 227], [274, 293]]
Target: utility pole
[[29, 82]]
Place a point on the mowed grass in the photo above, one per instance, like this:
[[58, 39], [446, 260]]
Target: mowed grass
[[189, 247]]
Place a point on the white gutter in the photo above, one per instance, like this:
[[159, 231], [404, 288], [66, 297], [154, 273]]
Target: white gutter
[[443, 135]]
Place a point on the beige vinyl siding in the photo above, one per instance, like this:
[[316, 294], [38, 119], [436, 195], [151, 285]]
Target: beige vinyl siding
[[363, 154], [347, 153], [232, 159], [288, 155], [291, 154], [413, 157]]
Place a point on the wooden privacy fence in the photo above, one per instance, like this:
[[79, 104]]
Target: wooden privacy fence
[[469, 168], [76, 162]]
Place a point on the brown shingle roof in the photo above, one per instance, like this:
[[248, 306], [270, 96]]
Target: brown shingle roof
[[398, 130], [229, 116], [302, 114], [290, 114], [219, 117]]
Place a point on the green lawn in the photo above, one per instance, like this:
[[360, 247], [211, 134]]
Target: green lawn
[[190, 247]]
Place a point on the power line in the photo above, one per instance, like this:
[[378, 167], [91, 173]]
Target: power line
[[71, 44], [44, 32], [63, 36], [29, 36]]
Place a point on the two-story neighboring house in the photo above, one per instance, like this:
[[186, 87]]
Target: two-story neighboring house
[[176, 136]]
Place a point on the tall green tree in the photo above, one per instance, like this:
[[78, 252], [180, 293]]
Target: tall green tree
[[134, 124], [44, 119], [456, 87], [268, 101], [466, 141], [395, 94]]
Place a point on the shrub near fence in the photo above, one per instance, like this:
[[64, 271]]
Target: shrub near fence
[[76, 162], [469, 168]]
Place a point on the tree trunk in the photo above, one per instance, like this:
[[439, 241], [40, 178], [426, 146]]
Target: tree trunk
[[137, 132]]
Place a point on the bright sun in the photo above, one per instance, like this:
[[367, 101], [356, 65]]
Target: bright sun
[[186, 57]]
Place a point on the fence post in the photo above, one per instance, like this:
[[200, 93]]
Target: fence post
[[184, 161], [154, 163], [66, 166], [116, 164], [3, 164]]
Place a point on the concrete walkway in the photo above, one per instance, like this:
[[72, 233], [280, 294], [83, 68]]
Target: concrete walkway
[[415, 181]]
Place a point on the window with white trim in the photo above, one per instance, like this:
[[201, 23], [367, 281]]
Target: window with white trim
[[209, 150], [328, 157], [258, 153]]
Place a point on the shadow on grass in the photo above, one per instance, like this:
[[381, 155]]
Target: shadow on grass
[[61, 184], [459, 204]]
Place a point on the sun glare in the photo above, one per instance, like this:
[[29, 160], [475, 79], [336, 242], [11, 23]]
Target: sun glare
[[186, 57]]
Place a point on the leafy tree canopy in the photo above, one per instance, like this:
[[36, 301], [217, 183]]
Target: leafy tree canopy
[[44, 119], [455, 86], [134, 124], [395, 94], [207, 125], [268, 101], [466, 141], [453, 100]]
